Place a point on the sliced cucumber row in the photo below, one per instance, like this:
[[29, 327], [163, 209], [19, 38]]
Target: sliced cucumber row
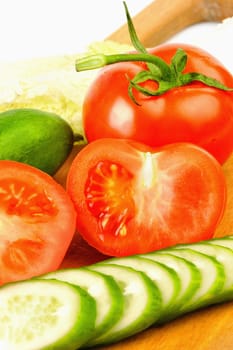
[[224, 242], [164, 278], [115, 299], [224, 256], [104, 289], [188, 273], [142, 302], [212, 278]]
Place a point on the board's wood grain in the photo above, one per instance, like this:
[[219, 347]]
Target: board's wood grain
[[211, 328]]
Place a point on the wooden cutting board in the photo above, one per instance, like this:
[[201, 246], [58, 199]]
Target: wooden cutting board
[[211, 328]]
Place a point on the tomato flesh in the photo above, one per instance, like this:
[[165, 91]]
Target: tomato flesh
[[20, 198], [109, 198], [19, 254], [140, 199], [37, 222]]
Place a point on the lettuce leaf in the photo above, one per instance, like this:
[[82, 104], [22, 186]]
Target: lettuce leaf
[[51, 84]]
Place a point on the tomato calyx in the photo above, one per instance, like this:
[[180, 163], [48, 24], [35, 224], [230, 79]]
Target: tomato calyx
[[167, 76]]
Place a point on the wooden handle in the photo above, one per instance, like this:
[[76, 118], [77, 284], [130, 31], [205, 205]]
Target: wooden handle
[[163, 18]]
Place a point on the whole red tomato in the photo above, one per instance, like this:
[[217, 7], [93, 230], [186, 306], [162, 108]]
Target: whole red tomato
[[130, 198], [194, 112]]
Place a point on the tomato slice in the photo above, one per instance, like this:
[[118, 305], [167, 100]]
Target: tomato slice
[[131, 198], [38, 221]]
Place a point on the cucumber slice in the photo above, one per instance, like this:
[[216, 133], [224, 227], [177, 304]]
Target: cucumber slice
[[212, 275], [142, 302], [165, 279], [189, 274], [103, 288], [224, 256], [45, 314], [223, 241]]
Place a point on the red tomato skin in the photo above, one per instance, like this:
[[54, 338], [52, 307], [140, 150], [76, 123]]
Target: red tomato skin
[[34, 237], [158, 220], [194, 113]]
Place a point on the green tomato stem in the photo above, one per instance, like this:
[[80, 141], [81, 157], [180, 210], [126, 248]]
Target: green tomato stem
[[101, 60], [90, 62]]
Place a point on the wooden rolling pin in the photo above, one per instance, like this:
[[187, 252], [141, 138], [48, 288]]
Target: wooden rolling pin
[[164, 18]]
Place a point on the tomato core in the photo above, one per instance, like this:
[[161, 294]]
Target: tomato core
[[109, 197]]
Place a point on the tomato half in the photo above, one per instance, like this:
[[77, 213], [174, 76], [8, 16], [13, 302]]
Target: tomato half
[[38, 222], [131, 199], [193, 113]]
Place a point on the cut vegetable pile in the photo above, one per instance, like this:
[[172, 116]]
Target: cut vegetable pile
[[152, 205], [114, 299]]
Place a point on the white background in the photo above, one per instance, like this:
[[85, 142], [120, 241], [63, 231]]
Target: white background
[[36, 28], [49, 27]]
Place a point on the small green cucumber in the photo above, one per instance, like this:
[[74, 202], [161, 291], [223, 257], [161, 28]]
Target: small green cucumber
[[35, 137], [45, 314], [142, 302], [189, 274], [103, 288], [212, 277], [165, 279]]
